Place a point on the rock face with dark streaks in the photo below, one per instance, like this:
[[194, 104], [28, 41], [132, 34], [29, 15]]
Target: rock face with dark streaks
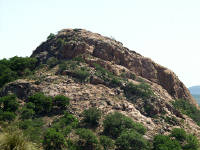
[[69, 43]]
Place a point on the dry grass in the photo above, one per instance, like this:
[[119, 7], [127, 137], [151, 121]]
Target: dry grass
[[15, 140]]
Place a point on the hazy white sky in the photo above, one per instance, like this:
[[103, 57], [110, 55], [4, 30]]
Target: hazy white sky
[[167, 31]]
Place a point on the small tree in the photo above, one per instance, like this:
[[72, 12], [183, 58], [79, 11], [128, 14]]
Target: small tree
[[106, 142], [53, 140], [131, 140], [162, 142], [61, 101], [179, 134], [114, 124], [87, 139], [9, 103], [91, 116], [43, 104]]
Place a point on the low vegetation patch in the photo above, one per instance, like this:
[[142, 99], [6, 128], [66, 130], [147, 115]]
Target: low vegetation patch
[[188, 109]]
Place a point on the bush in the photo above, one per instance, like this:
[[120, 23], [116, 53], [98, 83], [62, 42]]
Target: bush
[[141, 90], [52, 61], [192, 143], [179, 134], [53, 140], [87, 139], [13, 68], [51, 36], [106, 142], [9, 103], [81, 74], [65, 124], [33, 129], [188, 109], [6, 75], [61, 101], [162, 142], [7, 116], [27, 113], [114, 124], [131, 140], [43, 104], [91, 116]]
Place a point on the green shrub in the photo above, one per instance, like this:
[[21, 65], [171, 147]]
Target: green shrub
[[81, 74], [51, 36], [192, 143], [11, 69], [7, 116], [179, 134], [53, 140], [9, 103], [162, 142], [131, 140], [115, 82], [34, 129], [141, 90], [87, 139], [6, 75], [52, 61], [43, 104], [61, 101], [91, 116], [65, 124], [27, 113], [188, 109], [106, 142], [114, 124]]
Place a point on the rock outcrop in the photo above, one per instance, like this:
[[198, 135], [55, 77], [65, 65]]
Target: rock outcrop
[[69, 43]]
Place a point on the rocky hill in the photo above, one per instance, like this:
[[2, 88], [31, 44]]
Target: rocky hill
[[96, 71]]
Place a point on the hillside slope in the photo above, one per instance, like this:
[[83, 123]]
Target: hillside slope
[[96, 71]]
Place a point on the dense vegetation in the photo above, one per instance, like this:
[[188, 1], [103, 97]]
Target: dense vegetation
[[15, 67], [186, 108], [119, 131]]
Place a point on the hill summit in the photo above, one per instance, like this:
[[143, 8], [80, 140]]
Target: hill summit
[[78, 85]]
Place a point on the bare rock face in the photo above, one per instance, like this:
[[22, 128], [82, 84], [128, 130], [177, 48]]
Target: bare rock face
[[69, 43], [21, 88]]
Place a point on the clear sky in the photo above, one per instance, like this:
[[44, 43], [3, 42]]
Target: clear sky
[[167, 31]]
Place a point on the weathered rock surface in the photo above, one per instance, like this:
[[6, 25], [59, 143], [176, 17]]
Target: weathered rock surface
[[84, 42]]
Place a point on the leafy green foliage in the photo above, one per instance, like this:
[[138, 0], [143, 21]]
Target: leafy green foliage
[[163, 142], [27, 113], [131, 140], [9, 103], [91, 116], [33, 129], [8, 107], [179, 134], [43, 104], [51, 36], [7, 116], [192, 143], [141, 90], [61, 101], [87, 139], [81, 74], [114, 124], [106, 142], [52, 61], [188, 109], [15, 67], [53, 140], [65, 124]]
